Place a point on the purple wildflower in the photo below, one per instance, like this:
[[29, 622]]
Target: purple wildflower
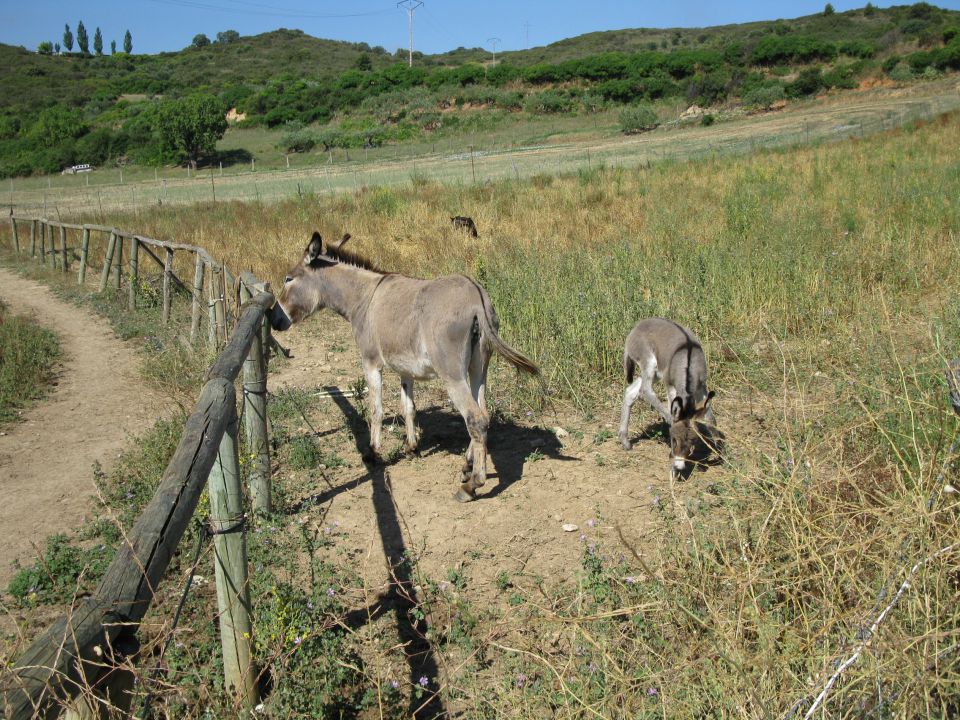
[[521, 680], [331, 592], [592, 667], [629, 579], [309, 605], [583, 538], [394, 684], [591, 523], [423, 681], [297, 640], [652, 692]]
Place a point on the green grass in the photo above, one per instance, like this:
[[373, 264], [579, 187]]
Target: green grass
[[817, 279], [29, 354]]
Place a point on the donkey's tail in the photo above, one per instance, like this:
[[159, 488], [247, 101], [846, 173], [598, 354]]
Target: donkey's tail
[[488, 325], [628, 367]]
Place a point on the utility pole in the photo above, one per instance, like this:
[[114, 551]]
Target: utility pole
[[494, 41], [410, 6], [526, 31]]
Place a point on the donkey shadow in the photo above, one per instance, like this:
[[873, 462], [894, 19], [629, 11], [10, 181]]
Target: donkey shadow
[[508, 444], [709, 450]]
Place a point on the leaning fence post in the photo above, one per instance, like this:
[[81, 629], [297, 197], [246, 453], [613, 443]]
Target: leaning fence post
[[167, 272], [107, 262], [197, 305], [230, 569], [255, 418], [84, 249], [63, 249], [134, 272], [16, 238]]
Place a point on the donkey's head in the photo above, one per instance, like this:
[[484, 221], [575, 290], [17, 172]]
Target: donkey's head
[[303, 292], [685, 430]]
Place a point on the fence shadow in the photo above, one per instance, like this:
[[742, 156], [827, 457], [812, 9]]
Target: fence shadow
[[401, 597]]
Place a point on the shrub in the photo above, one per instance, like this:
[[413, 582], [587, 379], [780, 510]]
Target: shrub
[[764, 96], [298, 141], [808, 83], [637, 119], [547, 102]]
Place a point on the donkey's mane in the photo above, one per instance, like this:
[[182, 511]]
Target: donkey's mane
[[348, 257]]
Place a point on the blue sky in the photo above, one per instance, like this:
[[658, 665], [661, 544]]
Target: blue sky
[[439, 25]]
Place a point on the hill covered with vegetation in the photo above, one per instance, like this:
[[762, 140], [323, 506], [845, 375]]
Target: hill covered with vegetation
[[57, 110]]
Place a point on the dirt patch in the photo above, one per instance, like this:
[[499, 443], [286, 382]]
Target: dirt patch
[[46, 461], [544, 473]]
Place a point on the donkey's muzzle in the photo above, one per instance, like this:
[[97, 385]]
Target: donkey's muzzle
[[279, 320]]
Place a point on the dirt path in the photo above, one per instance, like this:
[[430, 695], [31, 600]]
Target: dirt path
[[46, 461]]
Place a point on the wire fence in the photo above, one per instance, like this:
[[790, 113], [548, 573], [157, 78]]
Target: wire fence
[[486, 162]]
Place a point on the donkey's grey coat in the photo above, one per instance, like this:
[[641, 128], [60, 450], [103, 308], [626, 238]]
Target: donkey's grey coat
[[664, 350], [444, 328]]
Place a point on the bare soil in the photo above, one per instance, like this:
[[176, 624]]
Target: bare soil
[[47, 460], [545, 472]]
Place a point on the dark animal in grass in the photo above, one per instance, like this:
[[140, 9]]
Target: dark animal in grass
[[465, 223]]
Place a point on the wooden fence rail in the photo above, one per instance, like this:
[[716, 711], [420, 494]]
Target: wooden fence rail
[[162, 252], [83, 646], [84, 649]]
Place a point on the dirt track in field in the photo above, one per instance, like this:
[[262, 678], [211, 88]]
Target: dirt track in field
[[46, 461]]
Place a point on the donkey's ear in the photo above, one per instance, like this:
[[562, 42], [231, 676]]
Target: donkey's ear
[[314, 249], [676, 409], [702, 407], [338, 245]]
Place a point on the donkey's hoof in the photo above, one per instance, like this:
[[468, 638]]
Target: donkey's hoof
[[625, 442], [464, 495], [410, 451]]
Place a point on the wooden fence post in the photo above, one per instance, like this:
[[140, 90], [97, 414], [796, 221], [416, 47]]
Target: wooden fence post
[[134, 273], [118, 262], [63, 250], [230, 569], [43, 242], [84, 250], [255, 419], [33, 238], [167, 272], [107, 262], [197, 305], [218, 308], [16, 238], [211, 309]]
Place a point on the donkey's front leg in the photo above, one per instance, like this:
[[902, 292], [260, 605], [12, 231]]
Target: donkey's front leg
[[409, 413], [374, 378]]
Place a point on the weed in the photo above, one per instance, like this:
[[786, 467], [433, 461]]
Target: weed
[[304, 453], [28, 357]]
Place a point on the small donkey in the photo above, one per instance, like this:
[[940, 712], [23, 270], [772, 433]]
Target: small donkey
[[664, 350], [420, 329]]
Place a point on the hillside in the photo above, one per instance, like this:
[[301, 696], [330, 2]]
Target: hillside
[[59, 110]]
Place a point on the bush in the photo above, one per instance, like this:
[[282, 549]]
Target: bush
[[764, 96], [638, 119], [547, 102], [298, 140], [809, 82]]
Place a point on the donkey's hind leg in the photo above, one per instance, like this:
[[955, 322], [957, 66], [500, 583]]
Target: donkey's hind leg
[[479, 363], [374, 378], [477, 423]]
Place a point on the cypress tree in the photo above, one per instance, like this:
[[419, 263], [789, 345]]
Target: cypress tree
[[127, 43], [83, 42], [67, 38], [98, 42]]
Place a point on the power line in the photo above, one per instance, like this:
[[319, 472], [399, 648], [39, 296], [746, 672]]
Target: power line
[[410, 6], [526, 30]]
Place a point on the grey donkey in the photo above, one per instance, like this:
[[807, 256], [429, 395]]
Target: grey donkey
[[421, 329], [664, 350]]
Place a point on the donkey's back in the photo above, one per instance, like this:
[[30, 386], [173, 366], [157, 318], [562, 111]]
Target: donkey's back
[[673, 351]]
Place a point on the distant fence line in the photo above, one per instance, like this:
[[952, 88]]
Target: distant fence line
[[479, 163], [85, 650]]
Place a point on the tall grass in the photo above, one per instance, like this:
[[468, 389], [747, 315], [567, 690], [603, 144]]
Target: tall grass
[[821, 282]]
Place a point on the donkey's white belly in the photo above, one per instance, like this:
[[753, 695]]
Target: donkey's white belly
[[415, 367]]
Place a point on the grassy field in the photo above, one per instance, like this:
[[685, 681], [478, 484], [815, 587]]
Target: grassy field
[[821, 281], [506, 150], [28, 356]]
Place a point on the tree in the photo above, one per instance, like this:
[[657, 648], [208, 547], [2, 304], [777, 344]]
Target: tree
[[67, 38], [56, 48], [45, 48], [363, 62], [113, 47], [227, 36], [869, 9], [828, 9], [127, 43], [98, 42], [200, 41], [190, 127], [83, 42]]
